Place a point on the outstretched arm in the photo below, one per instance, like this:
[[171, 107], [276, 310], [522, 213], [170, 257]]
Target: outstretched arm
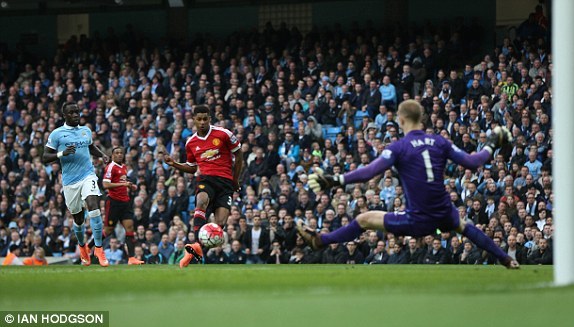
[[184, 167], [498, 137], [377, 167], [318, 181], [471, 161]]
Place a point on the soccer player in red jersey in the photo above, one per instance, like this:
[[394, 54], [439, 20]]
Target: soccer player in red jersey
[[211, 149], [118, 205]]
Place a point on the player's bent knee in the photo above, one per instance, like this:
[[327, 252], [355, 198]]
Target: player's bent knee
[[363, 220], [202, 200], [372, 220], [94, 213], [128, 225]]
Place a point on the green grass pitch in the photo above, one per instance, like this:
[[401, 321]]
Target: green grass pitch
[[295, 295]]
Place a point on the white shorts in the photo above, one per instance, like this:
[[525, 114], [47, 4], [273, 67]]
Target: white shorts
[[76, 193]]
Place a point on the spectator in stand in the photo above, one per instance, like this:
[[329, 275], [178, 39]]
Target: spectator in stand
[[177, 254], [38, 259], [470, 255], [542, 255], [436, 255], [12, 258], [114, 253], [378, 255], [352, 255], [388, 93], [154, 257], [165, 247], [217, 256], [277, 255], [237, 255]]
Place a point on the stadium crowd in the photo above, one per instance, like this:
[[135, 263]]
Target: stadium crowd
[[296, 101]]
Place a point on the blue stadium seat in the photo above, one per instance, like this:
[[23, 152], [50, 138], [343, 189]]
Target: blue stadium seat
[[332, 132], [358, 119]]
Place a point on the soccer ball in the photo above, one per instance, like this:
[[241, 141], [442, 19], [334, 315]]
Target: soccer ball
[[211, 235]]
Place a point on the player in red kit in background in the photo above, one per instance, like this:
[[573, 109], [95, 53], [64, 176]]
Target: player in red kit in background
[[118, 205], [212, 149]]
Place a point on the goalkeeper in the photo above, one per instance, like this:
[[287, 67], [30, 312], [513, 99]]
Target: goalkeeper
[[420, 160]]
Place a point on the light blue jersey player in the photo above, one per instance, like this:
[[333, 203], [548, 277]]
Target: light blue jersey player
[[73, 146]]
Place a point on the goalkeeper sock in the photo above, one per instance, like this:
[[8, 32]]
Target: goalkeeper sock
[[344, 234], [483, 241]]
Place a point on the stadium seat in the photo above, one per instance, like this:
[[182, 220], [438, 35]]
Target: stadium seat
[[332, 132]]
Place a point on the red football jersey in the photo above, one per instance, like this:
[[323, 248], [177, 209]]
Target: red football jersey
[[213, 153], [115, 173]]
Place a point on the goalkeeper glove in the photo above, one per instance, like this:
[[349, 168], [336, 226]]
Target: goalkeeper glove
[[319, 181], [498, 137]]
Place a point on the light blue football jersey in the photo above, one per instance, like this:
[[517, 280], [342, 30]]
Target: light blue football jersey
[[77, 166]]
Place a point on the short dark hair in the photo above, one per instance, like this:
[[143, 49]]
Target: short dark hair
[[67, 104], [201, 109]]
